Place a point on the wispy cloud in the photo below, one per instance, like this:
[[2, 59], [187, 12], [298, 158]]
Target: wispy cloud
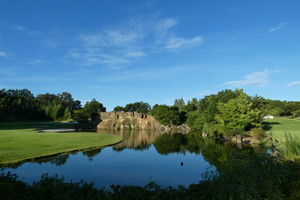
[[36, 61], [122, 44], [150, 74], [9, 71], [175, 43], [19, 28], [204, 93], [3, 54], [260, 79], [296, 83], [280, 26]]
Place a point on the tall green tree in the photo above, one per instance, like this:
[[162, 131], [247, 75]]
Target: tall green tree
[[93, 108], [238, 113], [167, 114], [179, 103]]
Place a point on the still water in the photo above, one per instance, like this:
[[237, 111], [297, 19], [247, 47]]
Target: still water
[[143, 156]]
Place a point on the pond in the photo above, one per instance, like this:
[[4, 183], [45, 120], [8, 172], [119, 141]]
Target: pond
[[143, 156]]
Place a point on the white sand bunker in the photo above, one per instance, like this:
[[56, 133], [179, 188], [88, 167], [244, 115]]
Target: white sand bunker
[[58, 130]]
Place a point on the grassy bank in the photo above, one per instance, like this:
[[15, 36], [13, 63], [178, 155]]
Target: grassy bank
[[22, 141], [282, 125]]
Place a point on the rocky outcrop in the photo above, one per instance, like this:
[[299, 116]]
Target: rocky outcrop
[[127, 120], [134, 120], [174, 128], [205, 134]]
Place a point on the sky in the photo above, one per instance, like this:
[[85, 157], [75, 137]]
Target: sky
[[121, 52]]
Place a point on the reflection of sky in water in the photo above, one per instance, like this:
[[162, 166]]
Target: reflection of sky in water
[[125, 167]]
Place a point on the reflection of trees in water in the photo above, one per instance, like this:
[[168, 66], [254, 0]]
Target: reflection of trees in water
[[212, 151], [134, 139], [91, 153], [54, 160], [174, 143], [61, 159]]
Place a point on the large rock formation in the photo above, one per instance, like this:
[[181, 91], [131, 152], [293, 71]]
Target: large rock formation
[[134, 120], [127, 120]]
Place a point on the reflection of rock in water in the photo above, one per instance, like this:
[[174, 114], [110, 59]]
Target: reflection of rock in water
[[136, 139]]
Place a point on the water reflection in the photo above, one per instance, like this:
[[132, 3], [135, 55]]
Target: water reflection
[[57, 160], [139, 140], [143, 156], [134, 139]]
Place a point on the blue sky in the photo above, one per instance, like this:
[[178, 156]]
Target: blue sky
[[121, 52]]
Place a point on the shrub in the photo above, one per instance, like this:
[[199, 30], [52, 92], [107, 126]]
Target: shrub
[[292, 145], [257, 132]]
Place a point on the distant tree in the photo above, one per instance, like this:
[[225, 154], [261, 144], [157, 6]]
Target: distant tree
[[67, 100], [77, 105], [80, 116], [167, 114], [261, 104], [118, 108], [67, 113], [179, 103], [292, 107], [93, 108], [139, 107], [191, 105]]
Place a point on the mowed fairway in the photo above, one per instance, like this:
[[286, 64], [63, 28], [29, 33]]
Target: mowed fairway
[[21, 141], [284, 125]]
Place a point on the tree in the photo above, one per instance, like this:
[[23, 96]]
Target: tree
[[167, 114], [77, 105], [118, 108], [66, 99], [80, 116], [179, 103], [139, 107], [238, 113], [191, 105], [93, 108]]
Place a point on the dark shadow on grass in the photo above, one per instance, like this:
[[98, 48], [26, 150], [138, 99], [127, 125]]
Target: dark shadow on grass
[[269, 125]]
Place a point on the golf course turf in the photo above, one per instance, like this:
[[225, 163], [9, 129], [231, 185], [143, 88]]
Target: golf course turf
[[23, 141]]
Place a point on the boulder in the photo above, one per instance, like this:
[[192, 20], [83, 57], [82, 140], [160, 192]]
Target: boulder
[[240, 138], [205, 134]]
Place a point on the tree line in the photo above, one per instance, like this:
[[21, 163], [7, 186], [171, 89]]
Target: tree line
[[226, 113], [20, 105], [231, 112]]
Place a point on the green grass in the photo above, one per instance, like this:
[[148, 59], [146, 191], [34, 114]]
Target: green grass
[[21, 141], [281, 125]]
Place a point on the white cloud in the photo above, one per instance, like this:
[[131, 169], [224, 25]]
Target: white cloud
[[177, 42], [119, 45], [135, 54], [36, 61], [204, 93], [280, 26], [19, 28], [296, 83], [161, 27], [142, 74], [3, 54], [260, 79]]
